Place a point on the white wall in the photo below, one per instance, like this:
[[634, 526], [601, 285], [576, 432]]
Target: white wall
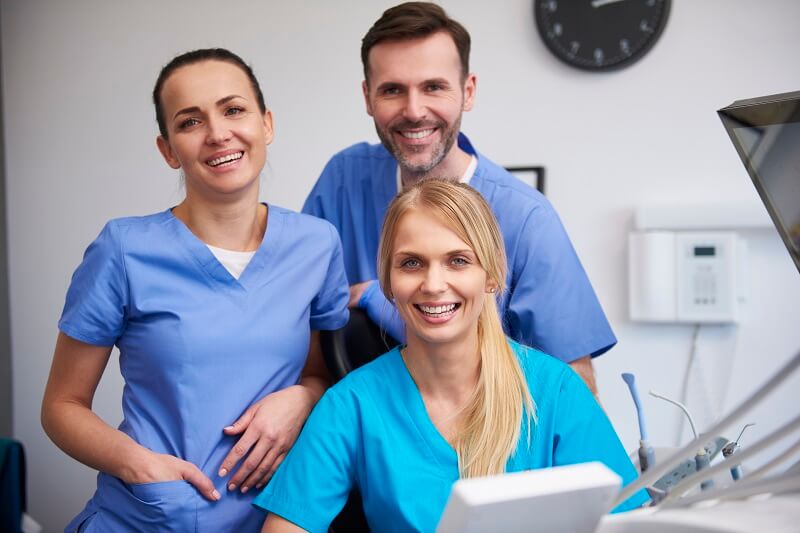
[[80, 149]]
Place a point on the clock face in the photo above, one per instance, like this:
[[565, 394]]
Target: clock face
[[600, 34]]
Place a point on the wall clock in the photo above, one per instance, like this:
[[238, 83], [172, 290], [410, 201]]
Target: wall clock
[[600, 35]]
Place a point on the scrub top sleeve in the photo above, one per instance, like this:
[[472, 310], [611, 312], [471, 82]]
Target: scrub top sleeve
[[547, 270], [94, 311], [312, 484], [329, 307], [584, 433], [383, 312]]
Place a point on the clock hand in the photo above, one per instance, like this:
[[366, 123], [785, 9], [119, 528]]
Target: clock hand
[[601, 3]]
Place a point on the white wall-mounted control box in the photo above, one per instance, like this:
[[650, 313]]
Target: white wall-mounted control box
[[684, 276]]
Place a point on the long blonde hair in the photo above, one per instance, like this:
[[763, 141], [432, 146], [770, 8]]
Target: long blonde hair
[[491, 424]]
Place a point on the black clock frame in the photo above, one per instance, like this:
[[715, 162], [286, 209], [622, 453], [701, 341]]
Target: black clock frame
[[563, 54]]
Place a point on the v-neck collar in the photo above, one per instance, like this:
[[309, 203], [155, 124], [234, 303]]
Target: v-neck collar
[[251, 277], [444, 453]]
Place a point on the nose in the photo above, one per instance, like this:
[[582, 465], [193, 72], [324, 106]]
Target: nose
[[435, 280], [218, 131], [414, 109]]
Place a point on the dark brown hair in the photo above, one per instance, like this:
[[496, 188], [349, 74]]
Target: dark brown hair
[[414, 20], [197, 56]]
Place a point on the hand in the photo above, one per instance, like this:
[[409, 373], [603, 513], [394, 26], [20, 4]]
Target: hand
[[269, 427], [159, 467], [356, 291]]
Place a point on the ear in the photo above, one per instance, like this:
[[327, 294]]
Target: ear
[[365, 90], [166, 152], [470, 87], [269, 132]]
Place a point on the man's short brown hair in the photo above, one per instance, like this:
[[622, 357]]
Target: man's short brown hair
[[414, 20]]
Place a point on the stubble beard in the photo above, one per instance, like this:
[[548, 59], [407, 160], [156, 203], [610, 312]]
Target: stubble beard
[[439, 151]]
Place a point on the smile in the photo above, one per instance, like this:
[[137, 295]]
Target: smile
[[417, 134], [438, 311], [225, 159]]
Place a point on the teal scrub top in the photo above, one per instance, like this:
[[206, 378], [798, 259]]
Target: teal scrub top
[[372, 431]]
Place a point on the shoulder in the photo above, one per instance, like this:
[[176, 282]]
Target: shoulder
[[542, 371], [302, 225], [369, 382], [128, 231], [500, 188], [355, 163]]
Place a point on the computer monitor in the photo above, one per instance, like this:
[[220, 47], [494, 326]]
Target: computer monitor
[[766, 133]]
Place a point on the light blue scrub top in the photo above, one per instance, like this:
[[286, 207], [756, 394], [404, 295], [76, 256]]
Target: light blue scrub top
[[197, 348], [354, 191], [372, 431]]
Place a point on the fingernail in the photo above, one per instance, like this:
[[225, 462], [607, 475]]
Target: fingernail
[[232, 486], [245, 489], [223, 472], [215, 495], [228, 427]]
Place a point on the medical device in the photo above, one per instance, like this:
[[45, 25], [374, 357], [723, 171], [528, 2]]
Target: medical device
[[733, 447], [702, 457], [684, 276], [647, 456]]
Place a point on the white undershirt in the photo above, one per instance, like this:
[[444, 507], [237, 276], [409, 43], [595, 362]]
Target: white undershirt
[[233, 261], [473, 164]]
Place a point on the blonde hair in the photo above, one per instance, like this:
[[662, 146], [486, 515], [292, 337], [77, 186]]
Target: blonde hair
[[490, 429]]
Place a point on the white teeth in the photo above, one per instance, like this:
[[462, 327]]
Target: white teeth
[[437, 309], [416, 134], [225, 159]]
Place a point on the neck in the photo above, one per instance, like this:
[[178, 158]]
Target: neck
[[447, 371], [451, 168], [236, 225]]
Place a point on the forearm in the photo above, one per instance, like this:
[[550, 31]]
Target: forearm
[[315, 387], [84, 436], [584, 368]]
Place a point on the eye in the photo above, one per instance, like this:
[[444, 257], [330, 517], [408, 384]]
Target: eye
[[234, 110], [433, 87], [410, 264], [459, 261], [390, 91], [188, 123]]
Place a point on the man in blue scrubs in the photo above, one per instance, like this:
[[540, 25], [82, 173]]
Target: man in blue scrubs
[[416, 86]]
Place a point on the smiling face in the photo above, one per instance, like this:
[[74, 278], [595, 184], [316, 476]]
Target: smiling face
[[436, 280], [216, 132], [416, 94]]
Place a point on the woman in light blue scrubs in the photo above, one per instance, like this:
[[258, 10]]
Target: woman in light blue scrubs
[[458, 400], [214, 305]]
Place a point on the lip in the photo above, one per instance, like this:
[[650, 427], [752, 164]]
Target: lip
[[416, 141], [442, 318], [224, 167]]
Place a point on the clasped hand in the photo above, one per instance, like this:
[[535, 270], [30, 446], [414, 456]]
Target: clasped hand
[[269, 428]]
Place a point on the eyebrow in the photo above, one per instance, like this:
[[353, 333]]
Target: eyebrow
[[393, 84], [195, 109], [465, 251]]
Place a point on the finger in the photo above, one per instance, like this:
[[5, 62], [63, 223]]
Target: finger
[[238, 451], [200, 481], [241, 423], [265, 469], [275, 465], [250, 463]]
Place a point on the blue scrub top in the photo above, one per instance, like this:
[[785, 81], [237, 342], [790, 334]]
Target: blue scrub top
[[372, 431], [197, 348], [354, 192]]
